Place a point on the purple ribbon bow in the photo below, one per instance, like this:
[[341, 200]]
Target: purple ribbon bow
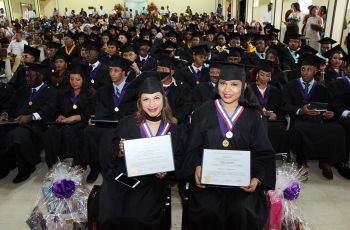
[[292, 191], [64, 189]]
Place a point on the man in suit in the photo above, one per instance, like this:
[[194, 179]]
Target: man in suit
[[144, 61]]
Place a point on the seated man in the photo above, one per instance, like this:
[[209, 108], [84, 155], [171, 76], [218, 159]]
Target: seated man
[[314, 134], [23, 143]]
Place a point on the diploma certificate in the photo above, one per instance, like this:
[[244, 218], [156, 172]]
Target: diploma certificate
[[225, 167], [149, 155]]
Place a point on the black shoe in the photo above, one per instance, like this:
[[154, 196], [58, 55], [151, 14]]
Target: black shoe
[[92, 177], [344, 170], [20, 178]]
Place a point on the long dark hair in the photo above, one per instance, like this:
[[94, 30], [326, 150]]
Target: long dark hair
[[86, 90], [296, 6]]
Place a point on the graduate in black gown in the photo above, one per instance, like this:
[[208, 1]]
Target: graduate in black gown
[[74, 108], [112, 102], [207, 90], [196, 72], [31, 106], [145, 61], [30, 55], [130, 53], [52, 48], [121, 207], [278, 78], [178, 93], [339, 91], [6, 93], [98, 76], [70, 48], [270, 99], [334, 69], [59, 78], [230, 207], [313, 134]]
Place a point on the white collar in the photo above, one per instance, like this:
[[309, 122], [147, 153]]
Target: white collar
[[37, 88], [310, 83], [196, 69], [144, 58], [95, 64], [172, 82]]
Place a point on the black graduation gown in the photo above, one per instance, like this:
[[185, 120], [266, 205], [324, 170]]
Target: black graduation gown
[[130, 75], [6, 93], [23, 143], [74, 55], [309, 140], [18, 79], [50, 64], [184, 53], [180, 101], [276, 129], [331, 75], [278, 78], [339, 93], [185, 75], [149, 65], [287, 62], [100, 77], [204, 92], [229, 208], [59, 84], [64, 140], [104, 110], [121, 207]]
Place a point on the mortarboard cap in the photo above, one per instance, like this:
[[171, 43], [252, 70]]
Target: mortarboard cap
[[32, 51], [327, 40], [335, 49], [200, 50]]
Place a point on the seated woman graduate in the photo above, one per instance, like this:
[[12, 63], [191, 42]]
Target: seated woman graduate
[[270, 99], [122, 207], [231, 122], [74, 108]]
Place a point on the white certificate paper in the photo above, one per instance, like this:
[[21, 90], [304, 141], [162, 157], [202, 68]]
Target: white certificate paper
[[149, 155], [225, 167]]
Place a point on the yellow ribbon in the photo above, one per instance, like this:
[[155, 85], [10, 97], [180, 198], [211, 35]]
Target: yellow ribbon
[[71, 49]]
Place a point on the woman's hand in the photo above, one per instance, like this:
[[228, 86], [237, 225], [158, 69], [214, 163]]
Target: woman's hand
[[273, 116], [197, 177], [328, 115], [161, 175], [254, 182], [135, 68], [121, 152]]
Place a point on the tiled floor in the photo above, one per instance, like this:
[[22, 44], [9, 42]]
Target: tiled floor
[[325, 204]]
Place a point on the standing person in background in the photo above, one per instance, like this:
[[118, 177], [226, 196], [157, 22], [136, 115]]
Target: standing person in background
[[15, 50], [55, 12], [323, 14], [2, 16], [267, 17], [229, 10], [313, 27], [293, 18], [219, 11], [189, 11]]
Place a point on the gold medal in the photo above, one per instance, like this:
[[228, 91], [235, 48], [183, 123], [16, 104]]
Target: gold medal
[[30, 103], [75, 106], [264, 110], [116, 109], [92, 81], [225, 143], [53, 71], [197, 82]]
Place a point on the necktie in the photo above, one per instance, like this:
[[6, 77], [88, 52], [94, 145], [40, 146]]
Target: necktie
[[117, 93], [307, 86], [143, 61]]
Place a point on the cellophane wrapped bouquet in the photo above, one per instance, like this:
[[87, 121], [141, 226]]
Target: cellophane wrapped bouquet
[[284, 211], [62, 200]]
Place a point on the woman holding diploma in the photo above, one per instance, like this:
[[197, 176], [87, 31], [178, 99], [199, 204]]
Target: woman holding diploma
[[123, 207], [74, 108], [231, 122]]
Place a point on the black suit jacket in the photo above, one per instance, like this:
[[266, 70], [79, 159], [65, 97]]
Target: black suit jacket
[[204, 92], [150, 64], [185, 75], [339, 93]]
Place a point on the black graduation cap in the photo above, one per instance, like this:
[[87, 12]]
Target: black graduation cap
[[61, 55], [274, 30], [70, 35], [117, 61], [125, 34], [327, 40], [259, 37], [167, 28], [271, 37], [172, 34], [79, 68], [39, 68], [112, 27], [95, 28], [145, 32], [200, 50], [295, 36], [247, 37], [233, 36], [148, 82], [169, 45], [310, 59], [197, 34], [217, 64], [335, 49], [164, 60], [93, 46], [54, 45], [144, 43], [32, 51], [235, 52], [130, 48], [306, 49], [230, 26], [262, 64], [113, 42], [106, 33], [82, 34], [193, 26], [210, 31]]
